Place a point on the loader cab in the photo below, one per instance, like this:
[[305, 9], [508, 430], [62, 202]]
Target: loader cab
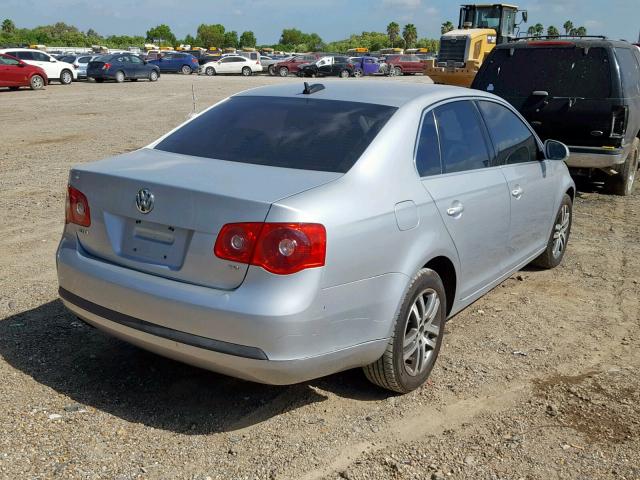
[[499, 17]]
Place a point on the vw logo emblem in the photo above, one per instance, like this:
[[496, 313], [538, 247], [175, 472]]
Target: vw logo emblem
[[144, 200]]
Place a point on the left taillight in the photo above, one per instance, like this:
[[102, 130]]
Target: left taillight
[[77, 208], [280, 248]]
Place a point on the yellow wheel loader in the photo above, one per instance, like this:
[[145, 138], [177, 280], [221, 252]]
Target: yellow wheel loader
[[462, 51]]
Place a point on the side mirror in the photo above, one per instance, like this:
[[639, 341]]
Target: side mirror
[[525, 16], [52, 60], [554, 150]]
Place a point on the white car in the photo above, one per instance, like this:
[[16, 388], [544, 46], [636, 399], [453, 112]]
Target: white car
[[232, 64], [63, 72]]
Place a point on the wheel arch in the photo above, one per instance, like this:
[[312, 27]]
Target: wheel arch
[[446, 270]]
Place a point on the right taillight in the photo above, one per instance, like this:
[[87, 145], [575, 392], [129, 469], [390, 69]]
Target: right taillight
[[619, 118], [106, 66], [77, 208], [280, 248]]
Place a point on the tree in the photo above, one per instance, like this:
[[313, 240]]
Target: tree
[[230, 39], [581, 31], [531, 31], [92, 33], [8, 26], [291, 36], [538, 30], [410, 34], [393, 30], [189, 40], [568, 26], [210, 36], [161, 34], [446, 27], [248, 39], [553, 31]]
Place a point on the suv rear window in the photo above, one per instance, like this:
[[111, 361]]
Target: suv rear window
[[306, 134], [561, 71]]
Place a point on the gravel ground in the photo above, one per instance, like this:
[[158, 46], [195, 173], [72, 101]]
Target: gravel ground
[[537, 380]]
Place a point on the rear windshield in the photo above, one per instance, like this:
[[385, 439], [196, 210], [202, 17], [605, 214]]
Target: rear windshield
[[302, 133], [560, 71]]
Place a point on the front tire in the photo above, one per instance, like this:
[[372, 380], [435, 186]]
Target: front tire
[[66, 77], [358, 73], [345, 74], [153, 76], [186, 70], [417, 336], [210, 71], [622, 184], [272, 70], [36, 82], [246, 72], [120, 76], [559, 238], [283, 72]]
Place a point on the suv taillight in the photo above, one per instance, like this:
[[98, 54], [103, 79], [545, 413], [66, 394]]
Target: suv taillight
[[280, 248], [77, 208], [620, 114], [106, 66]]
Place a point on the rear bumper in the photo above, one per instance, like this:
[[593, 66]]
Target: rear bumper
[[594, 157], [279, 335]]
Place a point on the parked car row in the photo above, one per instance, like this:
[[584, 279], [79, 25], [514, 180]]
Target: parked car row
[[54, 70]]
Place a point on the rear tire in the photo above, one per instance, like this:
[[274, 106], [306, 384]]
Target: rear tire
[[272, 70], [186, 70], [210, 71], [283, 72], [345, 74], [397, 72], [153, 76], [559, 238], [36, 82], [66, 77], [622, 184], [246, 72], [120, 76], [358, 73], [417, 336]]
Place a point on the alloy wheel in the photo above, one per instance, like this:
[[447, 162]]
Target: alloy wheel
[[421, 332], [560, 231], [37, 82]]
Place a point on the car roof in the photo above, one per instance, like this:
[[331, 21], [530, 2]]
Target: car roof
[[578, 41], [382, 92]]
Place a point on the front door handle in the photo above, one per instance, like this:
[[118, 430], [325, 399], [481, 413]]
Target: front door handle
[[517, 191], [455, 210]]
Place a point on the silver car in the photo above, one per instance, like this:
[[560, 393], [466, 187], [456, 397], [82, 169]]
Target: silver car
[[290, 231]]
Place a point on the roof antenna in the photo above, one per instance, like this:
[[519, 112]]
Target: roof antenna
[[309, 89]]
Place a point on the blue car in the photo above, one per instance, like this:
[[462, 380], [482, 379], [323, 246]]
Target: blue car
[[121, 67], [177, 62]]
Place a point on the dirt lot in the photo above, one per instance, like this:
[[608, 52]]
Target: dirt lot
[[538, 380]]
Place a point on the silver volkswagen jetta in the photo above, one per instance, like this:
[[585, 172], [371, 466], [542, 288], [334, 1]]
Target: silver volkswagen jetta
[[290, 232]]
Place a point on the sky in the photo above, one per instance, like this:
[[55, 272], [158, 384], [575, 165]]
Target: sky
[[331, 19]]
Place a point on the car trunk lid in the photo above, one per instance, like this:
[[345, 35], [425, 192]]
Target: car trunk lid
[[193, 198]]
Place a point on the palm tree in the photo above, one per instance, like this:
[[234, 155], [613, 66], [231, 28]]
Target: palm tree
[[393, 30], [581, 31], [8, 26], [446, 27], [531, 31], [538, 30], [553, 31], [410, 35], [568, 26]]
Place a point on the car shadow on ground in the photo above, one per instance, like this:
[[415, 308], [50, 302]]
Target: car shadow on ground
[[57, 350]]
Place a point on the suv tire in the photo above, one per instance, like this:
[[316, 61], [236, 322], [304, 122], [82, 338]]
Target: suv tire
[[559, 238], [417, 336], [622, 183]]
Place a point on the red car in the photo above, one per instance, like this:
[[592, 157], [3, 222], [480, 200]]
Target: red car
[[404, 64], [15, 73], [292, 64]]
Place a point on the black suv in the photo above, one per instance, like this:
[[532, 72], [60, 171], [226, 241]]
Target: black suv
[[583, 91]]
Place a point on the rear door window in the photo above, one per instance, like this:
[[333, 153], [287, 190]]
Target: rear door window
[[462, 140], [560, 71], [307, 134], [40, 57], [512, 139]]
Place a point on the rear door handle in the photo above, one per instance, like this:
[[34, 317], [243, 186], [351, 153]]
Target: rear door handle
[[517, 191], [455, 210]]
